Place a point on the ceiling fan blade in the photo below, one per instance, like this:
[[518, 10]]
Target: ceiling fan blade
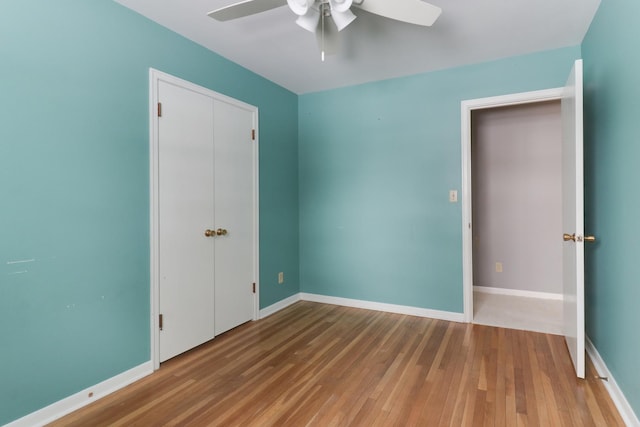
[[245, 8], [411, 11]]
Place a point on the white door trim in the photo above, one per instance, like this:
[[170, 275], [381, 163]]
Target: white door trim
[[467, 107], [154, 77]]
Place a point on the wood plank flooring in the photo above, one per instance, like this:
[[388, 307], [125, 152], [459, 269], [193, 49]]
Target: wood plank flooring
[[324, 365]]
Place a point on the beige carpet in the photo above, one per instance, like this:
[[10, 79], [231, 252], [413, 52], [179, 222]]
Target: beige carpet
[[531, 314]]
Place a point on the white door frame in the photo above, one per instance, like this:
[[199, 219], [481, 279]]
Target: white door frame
[[154, 77], [467, 107]]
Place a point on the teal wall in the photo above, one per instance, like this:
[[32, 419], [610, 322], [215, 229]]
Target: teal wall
[[74, 189], [366, 170], [612, 150], [376, 164]]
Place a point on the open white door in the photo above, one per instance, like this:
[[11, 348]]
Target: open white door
[[573, 218]]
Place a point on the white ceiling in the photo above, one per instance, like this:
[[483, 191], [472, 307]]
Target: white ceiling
[[375, 48]]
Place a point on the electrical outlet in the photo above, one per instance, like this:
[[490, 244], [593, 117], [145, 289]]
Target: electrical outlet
[[453, 196], [280, 278], [498, 267]]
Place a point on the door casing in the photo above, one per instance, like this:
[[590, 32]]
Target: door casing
[[467, 107], [154, 77]]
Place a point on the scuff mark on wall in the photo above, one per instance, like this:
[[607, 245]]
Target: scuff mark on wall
[[17, 263], [21, 261]]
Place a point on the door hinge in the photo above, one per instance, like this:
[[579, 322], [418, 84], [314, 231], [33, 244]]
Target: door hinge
[[159, 109], [254, 287], [160, 322], [253, 134]]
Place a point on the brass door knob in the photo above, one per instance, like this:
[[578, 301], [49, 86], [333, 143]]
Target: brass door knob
[[209, 233], [566, 237], [221, 232]]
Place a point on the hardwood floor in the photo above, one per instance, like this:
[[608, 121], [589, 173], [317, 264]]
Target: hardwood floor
[[324, 365]]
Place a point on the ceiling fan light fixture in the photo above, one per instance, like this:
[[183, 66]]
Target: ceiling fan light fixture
[[342, 19], [310, 20], [326, 18], [300, 7], [340, 5]]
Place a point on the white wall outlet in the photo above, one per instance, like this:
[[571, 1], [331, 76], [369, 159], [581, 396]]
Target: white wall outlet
[[280, 278], [498, 267], [453, 196]]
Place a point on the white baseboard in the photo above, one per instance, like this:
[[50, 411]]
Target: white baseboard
[[274, 308], [518, 293], [625, 409], [76, 401], [390, 308]]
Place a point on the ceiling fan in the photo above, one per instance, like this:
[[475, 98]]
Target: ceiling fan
[[326, 17]]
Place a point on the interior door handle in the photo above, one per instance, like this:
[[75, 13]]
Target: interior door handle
[[589, 239], [221, 232], [209, 233]]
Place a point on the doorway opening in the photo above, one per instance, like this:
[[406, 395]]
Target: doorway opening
[[512, 211]]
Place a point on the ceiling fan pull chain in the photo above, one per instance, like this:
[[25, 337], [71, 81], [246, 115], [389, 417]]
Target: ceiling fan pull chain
[[322, 8]]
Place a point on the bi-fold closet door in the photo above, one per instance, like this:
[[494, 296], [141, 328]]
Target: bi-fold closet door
[[206, 219]]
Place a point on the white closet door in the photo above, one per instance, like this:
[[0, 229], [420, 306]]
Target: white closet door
[[234, 212], [186, 207]]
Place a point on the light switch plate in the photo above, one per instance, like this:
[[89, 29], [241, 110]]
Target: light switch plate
[[453, 196]]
